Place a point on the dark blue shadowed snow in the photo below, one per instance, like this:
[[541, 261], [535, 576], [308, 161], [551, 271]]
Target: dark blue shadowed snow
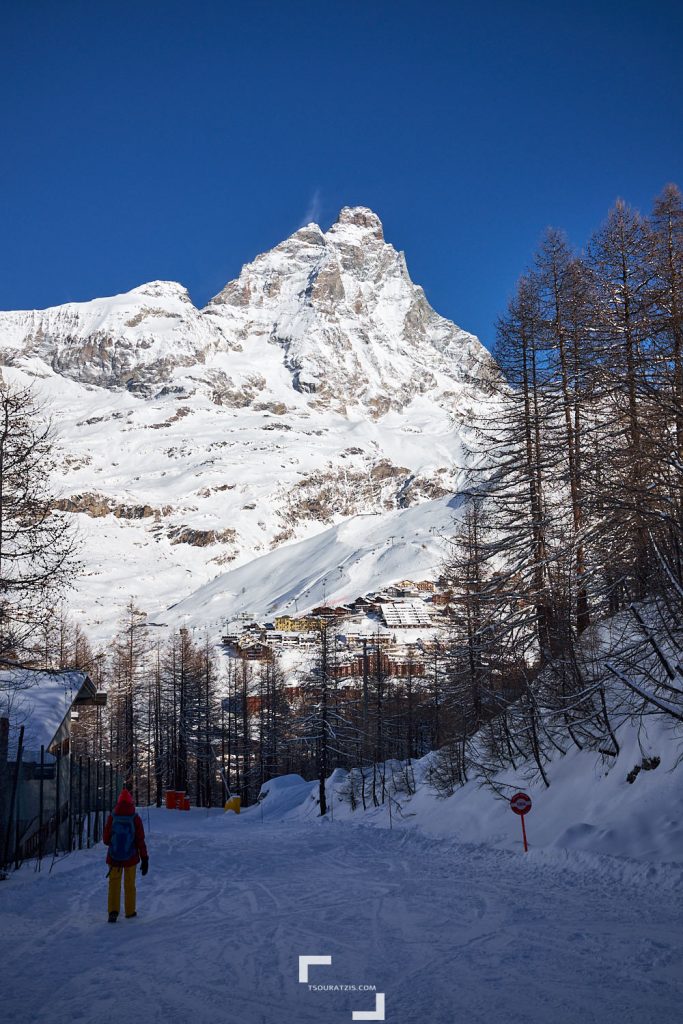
[[448, 931]]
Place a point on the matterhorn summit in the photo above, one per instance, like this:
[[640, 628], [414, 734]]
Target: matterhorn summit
[[339, 306], [317, 386], [351, 325]]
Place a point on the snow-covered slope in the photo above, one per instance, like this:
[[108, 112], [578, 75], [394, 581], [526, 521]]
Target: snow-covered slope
[[337, 565], [111, 341], [589, 807], [317, 386]]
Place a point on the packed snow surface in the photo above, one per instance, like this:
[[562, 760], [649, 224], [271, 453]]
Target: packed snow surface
[[448, 931], [436, 907]]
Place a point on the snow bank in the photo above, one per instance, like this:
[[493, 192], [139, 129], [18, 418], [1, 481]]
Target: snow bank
[[280, 796], [589, 807]]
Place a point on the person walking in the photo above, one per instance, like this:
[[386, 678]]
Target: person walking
[[124, 835]]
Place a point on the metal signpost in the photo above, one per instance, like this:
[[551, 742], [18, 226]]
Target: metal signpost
[[521, 804]]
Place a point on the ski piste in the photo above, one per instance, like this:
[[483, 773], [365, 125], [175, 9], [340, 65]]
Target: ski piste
[[445, 930]]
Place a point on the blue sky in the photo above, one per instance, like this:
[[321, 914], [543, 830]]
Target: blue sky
[[176, 140]]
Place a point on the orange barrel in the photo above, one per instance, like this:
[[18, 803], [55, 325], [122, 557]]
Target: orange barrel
[[170, 799], [179, 799], [186, 803]]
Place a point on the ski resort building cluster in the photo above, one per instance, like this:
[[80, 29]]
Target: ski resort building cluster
[[398, 624]]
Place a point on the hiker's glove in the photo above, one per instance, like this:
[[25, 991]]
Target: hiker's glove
[[145, 866]]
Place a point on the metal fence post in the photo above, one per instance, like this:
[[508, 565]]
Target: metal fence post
[[88, 807], [4, 780], [13, 797], [96, 833], [70, 805], [80, 802], [41, 804], [57, 797]]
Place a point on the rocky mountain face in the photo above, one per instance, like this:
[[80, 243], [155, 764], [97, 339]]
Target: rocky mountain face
[[318, 385], [350, 326]]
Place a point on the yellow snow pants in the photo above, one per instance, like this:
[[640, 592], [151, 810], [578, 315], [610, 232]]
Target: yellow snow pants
[[114, 901]]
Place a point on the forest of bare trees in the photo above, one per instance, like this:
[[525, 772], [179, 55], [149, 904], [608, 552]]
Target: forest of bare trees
[[172, 723], [567, 569]]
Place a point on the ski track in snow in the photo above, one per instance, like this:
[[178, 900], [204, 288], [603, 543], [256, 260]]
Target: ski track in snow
[[449, 932]]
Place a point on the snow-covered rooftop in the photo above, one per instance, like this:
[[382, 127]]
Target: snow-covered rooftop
[[406, 613], [39, 701]]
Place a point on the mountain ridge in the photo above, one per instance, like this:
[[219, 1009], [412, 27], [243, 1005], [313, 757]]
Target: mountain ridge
[[317, 385], [346, 288]]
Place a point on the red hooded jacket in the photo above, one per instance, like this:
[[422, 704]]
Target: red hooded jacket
[[125, 805]]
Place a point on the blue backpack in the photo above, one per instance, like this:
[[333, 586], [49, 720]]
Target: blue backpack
[[122, 845]]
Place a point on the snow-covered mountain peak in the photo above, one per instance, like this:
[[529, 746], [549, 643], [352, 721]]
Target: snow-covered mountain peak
[[360, 217], [162, 289], [339, 306], [352, 326], [318, 385], [311, 233]]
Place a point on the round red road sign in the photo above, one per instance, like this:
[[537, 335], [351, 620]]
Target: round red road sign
[[520, 803]]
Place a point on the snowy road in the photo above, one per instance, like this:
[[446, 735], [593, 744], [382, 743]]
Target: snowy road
[[448, 932]]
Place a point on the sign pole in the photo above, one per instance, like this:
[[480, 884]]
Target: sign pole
[[520, 803]]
